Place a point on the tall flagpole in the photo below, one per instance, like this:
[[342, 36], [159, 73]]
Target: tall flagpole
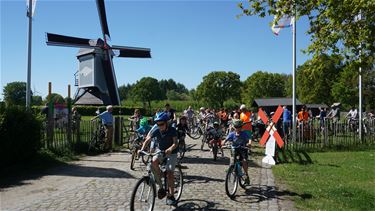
[[294, 77], [360, 87], [28, 85]]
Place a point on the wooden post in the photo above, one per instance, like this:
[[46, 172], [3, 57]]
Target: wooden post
[[50, 120], [69, 129], [117, 131]]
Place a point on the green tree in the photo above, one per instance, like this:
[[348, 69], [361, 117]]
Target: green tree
[[37, 100], [263, 85], [124, 91], [316, 77], [15, 93], [146, 90], [219, 86], [334, 25], [56, 98], [345, 89], [169, 85]]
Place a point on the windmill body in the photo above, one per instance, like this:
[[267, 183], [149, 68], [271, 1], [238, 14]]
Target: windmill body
[[97, 83]]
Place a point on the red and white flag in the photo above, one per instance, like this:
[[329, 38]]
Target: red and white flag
[[284, 22], [33, 2]]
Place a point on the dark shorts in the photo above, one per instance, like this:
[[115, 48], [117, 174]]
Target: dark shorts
[[243, 154]]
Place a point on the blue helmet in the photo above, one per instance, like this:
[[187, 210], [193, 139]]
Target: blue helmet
[[161, 116]]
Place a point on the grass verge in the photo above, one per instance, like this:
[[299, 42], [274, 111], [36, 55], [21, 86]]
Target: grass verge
[[334, 180]]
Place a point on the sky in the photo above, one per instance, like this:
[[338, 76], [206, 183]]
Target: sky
[[188, 40]]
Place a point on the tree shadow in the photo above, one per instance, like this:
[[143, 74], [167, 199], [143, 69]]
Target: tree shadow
[[196, 204], [200, 179], [200, 160], [74, 170], [266, 193], [289, 156]]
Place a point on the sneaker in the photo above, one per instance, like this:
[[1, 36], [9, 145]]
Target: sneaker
[[247, 180], [161, 193], [171, 201]]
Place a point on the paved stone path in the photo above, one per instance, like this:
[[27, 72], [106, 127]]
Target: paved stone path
[[105, 182]]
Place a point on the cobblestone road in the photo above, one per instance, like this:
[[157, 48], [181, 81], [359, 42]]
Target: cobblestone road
[[105, 182]]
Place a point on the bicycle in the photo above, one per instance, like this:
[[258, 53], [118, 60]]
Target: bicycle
[[136, 141], [97, 140], [235, 175], [181, 148], [147, 185]]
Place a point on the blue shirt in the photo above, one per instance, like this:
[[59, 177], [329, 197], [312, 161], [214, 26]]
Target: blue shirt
[[164, 140], [143, 129], [287, 115], [106, 117], [240, 140]]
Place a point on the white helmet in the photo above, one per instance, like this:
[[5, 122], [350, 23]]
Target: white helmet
[[202, 109], [243, 106]]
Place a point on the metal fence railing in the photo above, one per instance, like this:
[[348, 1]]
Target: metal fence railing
[[316, 134], [75, 135]]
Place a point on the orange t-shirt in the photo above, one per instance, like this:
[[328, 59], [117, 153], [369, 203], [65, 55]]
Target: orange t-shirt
[[245, 117], [303, 116]]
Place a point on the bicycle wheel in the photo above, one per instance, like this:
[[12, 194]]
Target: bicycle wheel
[[178, 182], [241, 181], [93, 141], [143, 196], [214, 150], [203, 141], [146, 158], [132, 160], [231, 182], [181, 150]]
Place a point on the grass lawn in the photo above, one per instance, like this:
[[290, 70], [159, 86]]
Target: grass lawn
[[334, 181]]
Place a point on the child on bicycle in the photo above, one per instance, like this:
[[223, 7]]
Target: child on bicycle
[[182, 128], [239, 138], [215, 134], [165, 139]]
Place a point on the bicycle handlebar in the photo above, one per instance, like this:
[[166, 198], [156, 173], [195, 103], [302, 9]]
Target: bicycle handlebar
[[237, 147], [151, 154]]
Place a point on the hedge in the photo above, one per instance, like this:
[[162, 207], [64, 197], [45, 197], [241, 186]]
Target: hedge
[[20, 134], [91, 110]]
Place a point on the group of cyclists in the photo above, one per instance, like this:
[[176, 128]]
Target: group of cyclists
[[168, 132]]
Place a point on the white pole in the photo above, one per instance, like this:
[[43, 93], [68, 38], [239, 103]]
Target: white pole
[[28, 84], [360, 88], [294, 79]]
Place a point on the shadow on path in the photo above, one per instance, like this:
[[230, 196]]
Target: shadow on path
[[74, 170], [196, 204], [200, 179], [266, 193]]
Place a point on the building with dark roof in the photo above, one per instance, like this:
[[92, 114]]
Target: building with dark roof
[[270, 104]]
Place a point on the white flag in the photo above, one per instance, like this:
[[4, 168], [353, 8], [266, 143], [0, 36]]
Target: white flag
[[33, 2], [284, 22]]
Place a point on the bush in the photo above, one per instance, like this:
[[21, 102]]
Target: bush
[[20, 133]]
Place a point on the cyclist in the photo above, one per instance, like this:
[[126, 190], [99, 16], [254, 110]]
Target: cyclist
[[165, 139], [144, 127], [189, 113], [182, 128], [215, 134], [171, 114], [240, 138], [107, 120], [245, 116], [135, 120]]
